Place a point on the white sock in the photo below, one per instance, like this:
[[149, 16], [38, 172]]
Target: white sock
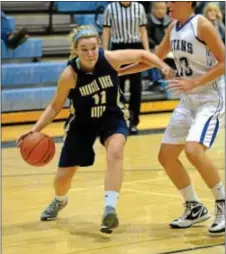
[[218, 191], [189, 194], [61, 198], [111, 198]]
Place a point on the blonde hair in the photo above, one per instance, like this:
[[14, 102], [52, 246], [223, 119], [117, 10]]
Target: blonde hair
[[81, 32], [214, 6], [153, 4]]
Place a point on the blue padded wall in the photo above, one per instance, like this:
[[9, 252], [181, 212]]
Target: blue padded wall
[[11, 22], [30, 49], [79, 6], [31, 73], [27, 98], [84, 19], [21, 99]]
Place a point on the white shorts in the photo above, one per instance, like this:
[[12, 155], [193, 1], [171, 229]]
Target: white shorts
[[197, 118]]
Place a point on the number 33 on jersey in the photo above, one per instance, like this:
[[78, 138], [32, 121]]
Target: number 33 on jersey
[[191, 55]]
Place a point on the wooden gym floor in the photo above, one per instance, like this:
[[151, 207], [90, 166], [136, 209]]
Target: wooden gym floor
[[148, 201]]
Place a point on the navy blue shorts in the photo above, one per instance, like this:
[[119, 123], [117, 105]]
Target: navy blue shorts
[[78, 150]]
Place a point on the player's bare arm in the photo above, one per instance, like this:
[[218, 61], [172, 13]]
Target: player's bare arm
[[164, 47], [162, 50], [66, 81], [121, 57], [208, 33], [134, 68]]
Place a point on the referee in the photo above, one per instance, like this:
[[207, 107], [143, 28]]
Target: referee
[[125, 27]]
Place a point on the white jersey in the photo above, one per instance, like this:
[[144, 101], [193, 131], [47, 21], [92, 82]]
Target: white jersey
[[191, 55], [200, 112]]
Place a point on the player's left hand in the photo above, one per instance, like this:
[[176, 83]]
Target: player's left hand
[[180, 85], [168, 72]]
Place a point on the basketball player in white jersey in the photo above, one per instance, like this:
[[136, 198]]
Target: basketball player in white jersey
[[199, 56]]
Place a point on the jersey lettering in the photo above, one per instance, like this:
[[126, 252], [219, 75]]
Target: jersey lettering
[[182, 45]]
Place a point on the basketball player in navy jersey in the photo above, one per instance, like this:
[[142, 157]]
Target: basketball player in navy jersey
[[91, 82], [199, 56]]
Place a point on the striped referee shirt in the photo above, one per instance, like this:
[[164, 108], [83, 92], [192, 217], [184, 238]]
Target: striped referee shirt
[[125, 21]]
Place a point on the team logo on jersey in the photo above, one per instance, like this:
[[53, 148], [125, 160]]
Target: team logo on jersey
[[89, 89], [97, 88], [93, 87], [182, 45], [105, 82]]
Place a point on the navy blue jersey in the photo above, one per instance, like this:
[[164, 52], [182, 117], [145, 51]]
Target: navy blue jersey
[[96, 94]]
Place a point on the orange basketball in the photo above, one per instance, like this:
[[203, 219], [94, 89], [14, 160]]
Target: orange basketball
[[37, 149]]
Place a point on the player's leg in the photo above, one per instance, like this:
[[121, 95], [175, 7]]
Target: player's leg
[[201, 136], [113, 180], [62, 181], [114, 139], [172, 145], [62, 184], [114, 152], [76, 151], [169, 159]]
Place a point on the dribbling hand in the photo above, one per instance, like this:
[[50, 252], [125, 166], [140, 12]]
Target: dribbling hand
[[21, 138]]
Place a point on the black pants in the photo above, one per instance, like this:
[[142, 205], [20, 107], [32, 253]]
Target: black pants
[[135, 83]]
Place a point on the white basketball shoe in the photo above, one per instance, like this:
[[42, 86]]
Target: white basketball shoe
[[218, 226], [195, 212]]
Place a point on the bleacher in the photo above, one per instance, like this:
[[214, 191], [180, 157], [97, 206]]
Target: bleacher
[[79, 7], [22, 6], [30, 72], [31, 49]]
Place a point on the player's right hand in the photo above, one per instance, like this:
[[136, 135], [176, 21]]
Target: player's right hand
[[21, 138]]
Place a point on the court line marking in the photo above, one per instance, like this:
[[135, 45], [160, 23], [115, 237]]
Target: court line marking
[[92, 171], [74, 189], [138, 191], [159, 194], [125, 182], [194, 248], [59, 139], [132, 243], [80, 172], [141, 242]]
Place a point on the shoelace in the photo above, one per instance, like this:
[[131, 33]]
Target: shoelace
[[51, 208], [188, 208], [220, 212]]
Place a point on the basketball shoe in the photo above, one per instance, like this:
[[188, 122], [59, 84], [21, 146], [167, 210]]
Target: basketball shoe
[[52, 210], [109, 220], [17, 38], [218, 225], [194, 213]]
